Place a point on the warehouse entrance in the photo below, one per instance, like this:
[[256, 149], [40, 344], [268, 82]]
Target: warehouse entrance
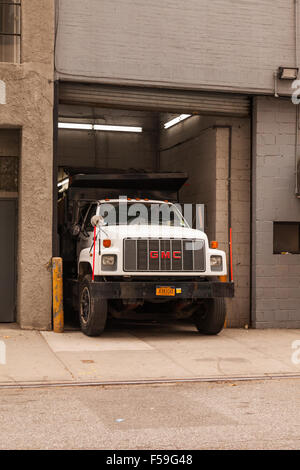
[[205, 135]]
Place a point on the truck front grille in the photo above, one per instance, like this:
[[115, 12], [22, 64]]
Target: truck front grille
[[163, 255]]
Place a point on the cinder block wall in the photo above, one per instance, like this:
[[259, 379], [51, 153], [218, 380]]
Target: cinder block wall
[[204, 154], [197, 157], [276, 278], [239, 307]]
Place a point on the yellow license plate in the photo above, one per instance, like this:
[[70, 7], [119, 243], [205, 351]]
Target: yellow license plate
[[168, 291]]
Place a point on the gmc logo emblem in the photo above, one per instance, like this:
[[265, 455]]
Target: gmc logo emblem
[[165, 254]]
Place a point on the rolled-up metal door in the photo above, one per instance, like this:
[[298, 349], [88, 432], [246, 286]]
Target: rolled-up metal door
[[154, 99]]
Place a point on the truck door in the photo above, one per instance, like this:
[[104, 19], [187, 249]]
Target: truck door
[[8, 226]]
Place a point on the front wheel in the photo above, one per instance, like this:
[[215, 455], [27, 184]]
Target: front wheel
[[210, 317], [92, 310]]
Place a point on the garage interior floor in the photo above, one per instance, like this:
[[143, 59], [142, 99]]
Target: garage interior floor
[[128, 352]]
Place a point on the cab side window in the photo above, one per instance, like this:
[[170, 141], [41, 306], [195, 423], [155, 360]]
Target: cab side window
[[90, 213]]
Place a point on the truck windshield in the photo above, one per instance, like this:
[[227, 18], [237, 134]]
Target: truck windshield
[[141, 213]]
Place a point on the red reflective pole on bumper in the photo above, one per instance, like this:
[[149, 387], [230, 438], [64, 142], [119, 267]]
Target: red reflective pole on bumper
[[231, 270]]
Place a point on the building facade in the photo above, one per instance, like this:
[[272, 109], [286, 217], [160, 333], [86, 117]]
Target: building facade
[[139, 61], [26, 156]]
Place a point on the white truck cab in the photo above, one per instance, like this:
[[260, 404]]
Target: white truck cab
[[145, 246], [125, 256]]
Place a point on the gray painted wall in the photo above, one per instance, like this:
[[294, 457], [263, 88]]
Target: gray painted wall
[[204, 44], [276, 278], [108, 149]]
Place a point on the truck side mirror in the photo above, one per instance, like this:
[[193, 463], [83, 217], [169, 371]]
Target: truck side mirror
[[97, 221]]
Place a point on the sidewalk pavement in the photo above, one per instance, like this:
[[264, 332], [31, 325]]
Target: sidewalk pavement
[[145, 352]]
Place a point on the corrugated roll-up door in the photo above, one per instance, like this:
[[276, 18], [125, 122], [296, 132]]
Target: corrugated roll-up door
[[154, 99]]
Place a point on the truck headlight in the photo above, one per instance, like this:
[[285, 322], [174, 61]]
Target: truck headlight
[[109, 262], [216, 263]]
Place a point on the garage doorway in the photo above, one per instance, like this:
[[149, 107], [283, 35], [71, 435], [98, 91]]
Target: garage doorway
[[212, 146]]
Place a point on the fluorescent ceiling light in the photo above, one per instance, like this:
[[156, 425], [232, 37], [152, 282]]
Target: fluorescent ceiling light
[[98, 127], [72, 125], [176, 120], [63, 182], [105, 127]]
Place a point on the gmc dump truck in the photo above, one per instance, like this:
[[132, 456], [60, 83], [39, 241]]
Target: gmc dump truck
[[128, 251]]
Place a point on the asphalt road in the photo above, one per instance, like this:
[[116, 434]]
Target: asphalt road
[[240, 415]]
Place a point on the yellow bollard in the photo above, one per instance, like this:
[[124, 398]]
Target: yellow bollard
[[58, 306]]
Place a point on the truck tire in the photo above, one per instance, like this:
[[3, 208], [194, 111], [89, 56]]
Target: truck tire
[[92, 310], [210, 317]]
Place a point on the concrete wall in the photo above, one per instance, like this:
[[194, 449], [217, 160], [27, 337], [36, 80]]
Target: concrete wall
[[219, 45], [200, 146], [108, 149], [276, 278], [29, 106]]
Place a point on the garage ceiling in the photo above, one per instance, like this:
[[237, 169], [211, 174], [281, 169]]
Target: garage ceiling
[[154, 99]]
